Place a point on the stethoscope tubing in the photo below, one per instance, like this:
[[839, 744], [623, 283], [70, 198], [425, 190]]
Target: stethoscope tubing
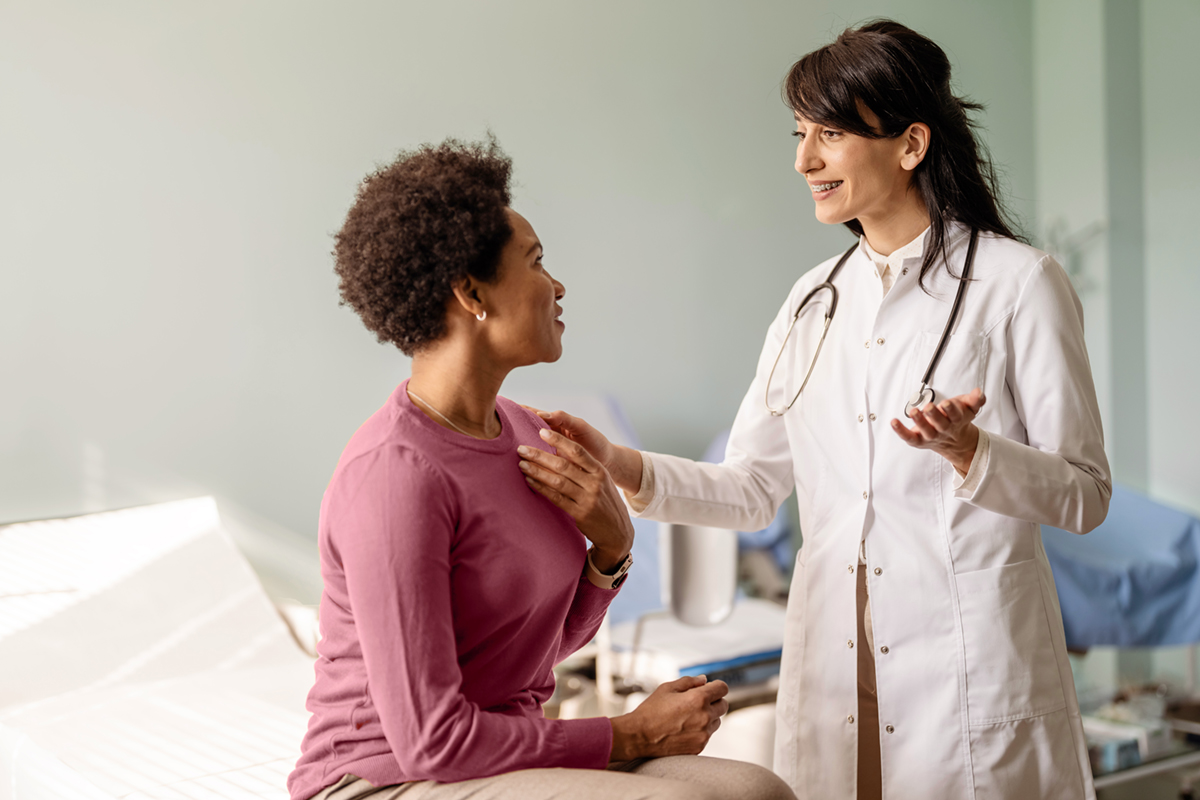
[[827, 285], [924, 394]]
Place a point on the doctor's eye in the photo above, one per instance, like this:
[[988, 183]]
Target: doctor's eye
[[798, 133], [831, 134]]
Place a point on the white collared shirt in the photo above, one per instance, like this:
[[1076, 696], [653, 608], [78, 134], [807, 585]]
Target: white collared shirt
[[889, 266]]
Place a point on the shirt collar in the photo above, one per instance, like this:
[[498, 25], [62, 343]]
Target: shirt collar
[[914, 249]]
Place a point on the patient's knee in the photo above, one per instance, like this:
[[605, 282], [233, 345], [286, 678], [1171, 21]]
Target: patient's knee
[[759, 783]]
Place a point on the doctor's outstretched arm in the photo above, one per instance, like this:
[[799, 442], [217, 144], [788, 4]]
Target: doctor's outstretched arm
[[743, 492]]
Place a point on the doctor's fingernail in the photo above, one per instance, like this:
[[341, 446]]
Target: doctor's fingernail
[[523, 450], [524, 465], [544, 433]]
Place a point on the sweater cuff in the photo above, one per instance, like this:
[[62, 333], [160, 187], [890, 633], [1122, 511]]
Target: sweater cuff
[[589, 742]]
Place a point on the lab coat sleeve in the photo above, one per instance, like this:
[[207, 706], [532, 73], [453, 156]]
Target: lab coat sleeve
[[1060, 477], [745, 490], [398, 529]]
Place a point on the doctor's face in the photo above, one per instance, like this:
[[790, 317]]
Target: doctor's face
[[851, 176]]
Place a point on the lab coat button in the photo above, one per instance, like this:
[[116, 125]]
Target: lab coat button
[[872, 418], [904, 271], [850, 719], [878, 571], [890, 729], [884, 649], [850, 568], [864, 495], [867, 344], [879, 341], [860, 417], [850, 643]]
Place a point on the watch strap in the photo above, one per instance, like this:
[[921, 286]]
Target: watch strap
[[602, 581]]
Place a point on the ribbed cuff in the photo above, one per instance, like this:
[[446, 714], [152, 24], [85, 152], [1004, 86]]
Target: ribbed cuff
[[589, 743]]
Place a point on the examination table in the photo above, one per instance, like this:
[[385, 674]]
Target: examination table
[[140, 658]]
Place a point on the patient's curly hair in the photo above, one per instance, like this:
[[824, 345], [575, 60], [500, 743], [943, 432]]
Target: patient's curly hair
[[433, 216]]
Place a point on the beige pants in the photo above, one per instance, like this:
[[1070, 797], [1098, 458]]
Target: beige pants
[[671, 778]]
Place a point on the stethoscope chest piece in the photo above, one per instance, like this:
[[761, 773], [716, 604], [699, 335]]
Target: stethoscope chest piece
[[918, 400]]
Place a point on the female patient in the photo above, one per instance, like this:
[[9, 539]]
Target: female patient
[[451, 587]]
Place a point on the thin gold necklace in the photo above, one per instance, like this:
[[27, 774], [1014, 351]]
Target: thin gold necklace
[[428, 405]]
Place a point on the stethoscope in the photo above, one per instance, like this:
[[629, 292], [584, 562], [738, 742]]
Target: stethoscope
[[924, 394]]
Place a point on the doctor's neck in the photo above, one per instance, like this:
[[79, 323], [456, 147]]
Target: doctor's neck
[[895, 225]]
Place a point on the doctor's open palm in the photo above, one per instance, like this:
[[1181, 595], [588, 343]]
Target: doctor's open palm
[[947, 428]]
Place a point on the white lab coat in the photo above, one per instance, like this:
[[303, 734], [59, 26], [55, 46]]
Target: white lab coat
[[976, 698]]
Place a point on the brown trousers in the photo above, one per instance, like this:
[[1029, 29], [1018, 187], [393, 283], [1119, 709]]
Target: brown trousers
[[870, 773]]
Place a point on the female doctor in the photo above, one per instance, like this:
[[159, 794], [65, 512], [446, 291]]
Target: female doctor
[[924, 653]]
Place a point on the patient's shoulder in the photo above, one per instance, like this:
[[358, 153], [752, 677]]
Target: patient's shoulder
[[526, 423]]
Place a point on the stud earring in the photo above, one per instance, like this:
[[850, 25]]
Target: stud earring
[[481, 316]]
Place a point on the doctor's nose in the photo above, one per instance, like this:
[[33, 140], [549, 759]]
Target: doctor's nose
[[806, 159]]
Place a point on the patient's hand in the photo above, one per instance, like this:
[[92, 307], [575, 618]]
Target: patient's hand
[[576, 482], [623, 464], [677, 719]]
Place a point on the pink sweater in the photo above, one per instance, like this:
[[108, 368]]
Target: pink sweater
[[451, 590]]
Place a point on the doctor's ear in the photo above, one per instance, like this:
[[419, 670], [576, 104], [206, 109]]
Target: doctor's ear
[[916, 145]]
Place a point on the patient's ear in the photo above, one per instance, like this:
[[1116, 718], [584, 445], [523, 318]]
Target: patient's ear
[[466, 295]]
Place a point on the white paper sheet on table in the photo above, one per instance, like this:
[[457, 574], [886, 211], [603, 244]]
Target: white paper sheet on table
[[140, 658]]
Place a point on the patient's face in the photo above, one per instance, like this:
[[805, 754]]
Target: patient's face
[[525, 328]]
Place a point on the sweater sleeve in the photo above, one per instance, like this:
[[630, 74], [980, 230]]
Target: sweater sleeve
[[583, 620], [393, 533]]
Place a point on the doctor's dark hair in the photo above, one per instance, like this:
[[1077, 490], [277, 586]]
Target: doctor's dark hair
[[904, 77], [432, 217]]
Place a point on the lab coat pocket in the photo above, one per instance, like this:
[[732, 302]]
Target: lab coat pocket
[[1011, 668], [961, 368]]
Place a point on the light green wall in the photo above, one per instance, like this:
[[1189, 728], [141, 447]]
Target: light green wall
[[172, 174], [1171, 110], [1116, 157]]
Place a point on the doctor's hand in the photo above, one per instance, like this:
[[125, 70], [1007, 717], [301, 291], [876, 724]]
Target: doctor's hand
[[624, 464], [946, 428], [676, 720], [578, 484]]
